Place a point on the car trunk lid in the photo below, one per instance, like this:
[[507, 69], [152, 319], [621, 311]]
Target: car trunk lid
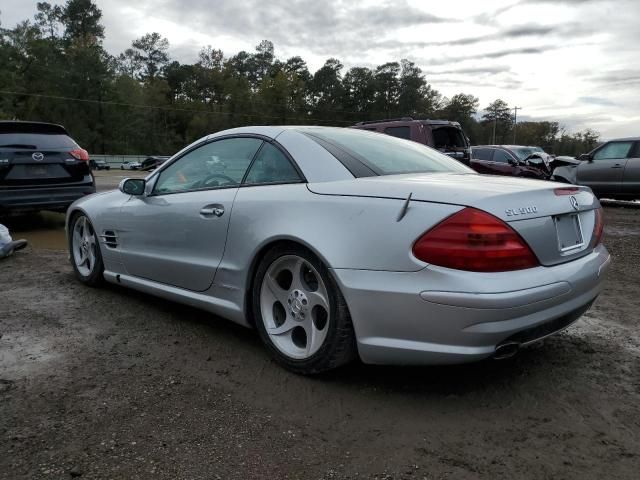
[[27, 167], [557, 224]]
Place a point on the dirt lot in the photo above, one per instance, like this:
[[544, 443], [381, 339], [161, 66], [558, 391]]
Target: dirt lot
[[111, 383]]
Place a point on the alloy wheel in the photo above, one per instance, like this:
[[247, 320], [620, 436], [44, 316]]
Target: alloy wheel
[[84, 246], [295, 308]]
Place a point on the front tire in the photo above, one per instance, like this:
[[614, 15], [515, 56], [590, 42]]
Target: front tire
[[84, 250], [299, 312]]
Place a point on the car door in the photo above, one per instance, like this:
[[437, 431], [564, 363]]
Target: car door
[[631, 175], [604, 170], [176, 233], [481, 160], [504, 163]]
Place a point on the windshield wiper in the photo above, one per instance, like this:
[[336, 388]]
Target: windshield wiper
[[18, 145]]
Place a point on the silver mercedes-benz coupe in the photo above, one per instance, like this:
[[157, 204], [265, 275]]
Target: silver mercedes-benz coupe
[[335, 243]]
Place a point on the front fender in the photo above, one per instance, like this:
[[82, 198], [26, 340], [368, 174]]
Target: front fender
[[566, 174]]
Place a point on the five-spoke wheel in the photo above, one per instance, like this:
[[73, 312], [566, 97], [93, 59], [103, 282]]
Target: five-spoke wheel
[[301, 314], [85, 251], [295, 306]]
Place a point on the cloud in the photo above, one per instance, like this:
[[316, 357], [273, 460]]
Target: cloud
[[494, 54], [618, 77], [597, 101], [328, 27], [489, 69], [506, 34]]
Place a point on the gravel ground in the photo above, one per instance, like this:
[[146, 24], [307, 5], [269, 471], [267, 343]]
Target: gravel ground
[[111, 383]]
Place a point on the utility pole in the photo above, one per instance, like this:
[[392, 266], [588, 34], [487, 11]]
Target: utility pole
[[495, 119], [515, 122]]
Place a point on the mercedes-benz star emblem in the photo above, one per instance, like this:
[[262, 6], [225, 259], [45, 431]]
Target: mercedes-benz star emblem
[[37, 156], [574, 202]]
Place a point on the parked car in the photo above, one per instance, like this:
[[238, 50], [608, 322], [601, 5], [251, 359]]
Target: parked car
[[511, 160], [41, 167], [443, 135], [99, 165], [130, 166], [611, 170], [151, 163], [335, 243]]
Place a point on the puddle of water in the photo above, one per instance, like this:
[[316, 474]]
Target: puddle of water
[[22, 355], [41, 230]]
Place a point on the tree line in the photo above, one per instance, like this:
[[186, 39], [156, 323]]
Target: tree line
[[141, 101]]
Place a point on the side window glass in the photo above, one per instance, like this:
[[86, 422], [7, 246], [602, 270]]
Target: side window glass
[[501, 156], [217, 164], [481, 154], [400, 132], [613, 150], [271, 166]]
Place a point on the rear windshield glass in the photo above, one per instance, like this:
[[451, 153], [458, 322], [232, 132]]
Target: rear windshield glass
[[36, 141], [387, 155], [448, 137]]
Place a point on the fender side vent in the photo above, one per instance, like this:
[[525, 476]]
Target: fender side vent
[[110, 238]]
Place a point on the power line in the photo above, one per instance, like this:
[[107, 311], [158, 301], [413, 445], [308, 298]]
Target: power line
[[165, 108], [384, 114]]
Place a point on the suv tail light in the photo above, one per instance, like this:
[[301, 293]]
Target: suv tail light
[[598, 228], [476, 241], [80, 154]]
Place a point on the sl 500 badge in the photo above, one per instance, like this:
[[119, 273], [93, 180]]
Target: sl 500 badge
[[520, 211]]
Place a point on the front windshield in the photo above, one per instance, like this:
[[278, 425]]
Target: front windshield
[[387, 155], [523, 152]]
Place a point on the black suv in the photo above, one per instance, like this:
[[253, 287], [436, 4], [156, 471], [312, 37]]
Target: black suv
[[442, 135], [41, 167]]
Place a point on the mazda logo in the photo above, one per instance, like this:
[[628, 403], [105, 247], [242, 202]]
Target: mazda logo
[[38, 157], [574, 202]]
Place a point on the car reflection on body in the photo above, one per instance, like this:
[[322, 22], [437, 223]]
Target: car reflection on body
[[341, 243]]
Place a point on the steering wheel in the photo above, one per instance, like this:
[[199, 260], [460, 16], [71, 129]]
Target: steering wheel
[[207, 181]]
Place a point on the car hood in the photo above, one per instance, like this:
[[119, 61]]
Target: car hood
[[564, 160], [508, 198]]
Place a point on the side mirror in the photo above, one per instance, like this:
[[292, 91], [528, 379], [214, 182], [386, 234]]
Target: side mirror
[[585, 157], [132, 186]]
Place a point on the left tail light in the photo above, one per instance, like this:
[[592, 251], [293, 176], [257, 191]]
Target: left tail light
[[476, 241], [80, 154]]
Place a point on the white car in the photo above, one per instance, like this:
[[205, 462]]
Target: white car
[[130, 166]]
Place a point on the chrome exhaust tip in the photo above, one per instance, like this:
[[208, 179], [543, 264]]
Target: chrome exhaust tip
[[506, 350]]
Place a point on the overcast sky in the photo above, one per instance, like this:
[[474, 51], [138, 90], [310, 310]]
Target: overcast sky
[[575, 61]]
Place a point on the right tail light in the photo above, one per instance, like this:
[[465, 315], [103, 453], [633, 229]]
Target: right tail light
[[80, 154], [598, 228]]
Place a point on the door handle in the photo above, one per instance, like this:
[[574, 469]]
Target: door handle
[[218, 211], [617, 165]]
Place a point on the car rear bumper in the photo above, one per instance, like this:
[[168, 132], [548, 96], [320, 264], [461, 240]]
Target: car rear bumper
[[43, 198], [438, 315]]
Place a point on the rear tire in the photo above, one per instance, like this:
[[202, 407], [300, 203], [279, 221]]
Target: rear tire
[[84, 251], [299, 312]]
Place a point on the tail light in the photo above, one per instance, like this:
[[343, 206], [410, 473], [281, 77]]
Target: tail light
[[598, 228], [566, 191], [80, 154], [476, 241]]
